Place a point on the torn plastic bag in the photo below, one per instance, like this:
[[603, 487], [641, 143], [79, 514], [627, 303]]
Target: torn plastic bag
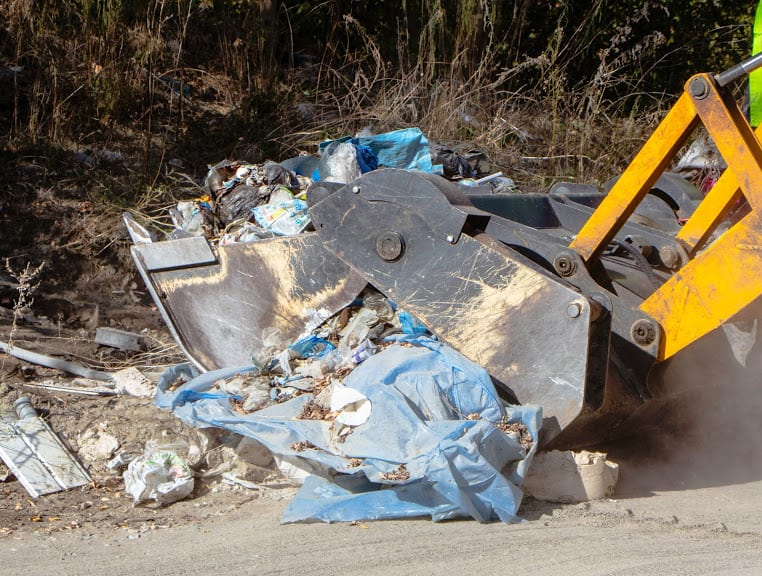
[[278, 174], [453, 164], [239, 202], [407, 149], [160, 475], [432, 445], [410, 325], [338, 163], [311, 346]]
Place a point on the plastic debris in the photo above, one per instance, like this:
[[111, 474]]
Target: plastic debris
[[453, 164], [285, 218], [247, 202], [162, 476], [407, 148], [239, 202], [340, 163], [352, 407], [193, 217], [379, 417], [121, 460], [363, 351], [243, 231], [435, 441]]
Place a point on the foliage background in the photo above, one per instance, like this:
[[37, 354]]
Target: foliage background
[[549, 88]]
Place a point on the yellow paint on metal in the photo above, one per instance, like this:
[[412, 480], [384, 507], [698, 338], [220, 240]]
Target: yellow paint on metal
[[713, 208], [725, 194], [727, 275], [637, 180], [734, 138], [711, 288]]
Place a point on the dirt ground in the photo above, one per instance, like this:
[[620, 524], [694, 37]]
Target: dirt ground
[[132, 421], [665, 520], [87, 281]]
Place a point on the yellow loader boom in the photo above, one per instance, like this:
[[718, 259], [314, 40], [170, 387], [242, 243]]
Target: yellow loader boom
[[713, 284]]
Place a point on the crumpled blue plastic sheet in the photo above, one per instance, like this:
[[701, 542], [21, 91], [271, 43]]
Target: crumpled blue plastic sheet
[[406, 148], [432, 410]]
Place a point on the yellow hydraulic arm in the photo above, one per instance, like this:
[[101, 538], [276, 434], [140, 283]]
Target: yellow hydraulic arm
[[714, 281]]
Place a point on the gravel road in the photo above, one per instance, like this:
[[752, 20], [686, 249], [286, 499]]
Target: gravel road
[[663, 521]]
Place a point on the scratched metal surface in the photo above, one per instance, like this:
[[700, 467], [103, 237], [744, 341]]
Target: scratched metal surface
[[491, 304], [271, 289]]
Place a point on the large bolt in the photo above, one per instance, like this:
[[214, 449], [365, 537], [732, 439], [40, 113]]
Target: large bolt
[[565, 265], [390, 246], [643, 332], [574, 310], [699, 88]]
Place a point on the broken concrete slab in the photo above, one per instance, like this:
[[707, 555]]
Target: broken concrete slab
[[568, 477], [97, 445], [133, 382]]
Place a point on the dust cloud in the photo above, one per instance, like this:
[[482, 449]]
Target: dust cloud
[[705, 426]]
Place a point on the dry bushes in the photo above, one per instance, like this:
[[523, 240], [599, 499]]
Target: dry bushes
[[556, 91]]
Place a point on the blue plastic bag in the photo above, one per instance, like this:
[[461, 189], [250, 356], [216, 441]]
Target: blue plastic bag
[[312, 347], [407, 149]]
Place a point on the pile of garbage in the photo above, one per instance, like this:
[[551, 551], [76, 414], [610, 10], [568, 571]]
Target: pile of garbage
[[374, 416], [245, 202], [368, 411]]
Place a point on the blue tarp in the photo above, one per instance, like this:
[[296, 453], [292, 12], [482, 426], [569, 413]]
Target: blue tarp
[[432, 411]]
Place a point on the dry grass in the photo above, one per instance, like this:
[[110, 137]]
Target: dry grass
[[27, 283], [537, 133], [183, 84]]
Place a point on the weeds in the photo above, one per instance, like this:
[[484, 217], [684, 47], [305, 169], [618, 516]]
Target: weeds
[[28, 281]]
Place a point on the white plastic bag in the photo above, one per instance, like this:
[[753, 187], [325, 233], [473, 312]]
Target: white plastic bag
[[162, 476]]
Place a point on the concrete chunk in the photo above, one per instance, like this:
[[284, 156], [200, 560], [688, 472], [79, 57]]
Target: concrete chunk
[[571, 477]]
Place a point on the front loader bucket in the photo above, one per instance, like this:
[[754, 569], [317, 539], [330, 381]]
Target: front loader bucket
[[418, 240]]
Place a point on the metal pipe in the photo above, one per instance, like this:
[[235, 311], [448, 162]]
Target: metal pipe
[[24, 408], [56, 363], [746, 67]]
